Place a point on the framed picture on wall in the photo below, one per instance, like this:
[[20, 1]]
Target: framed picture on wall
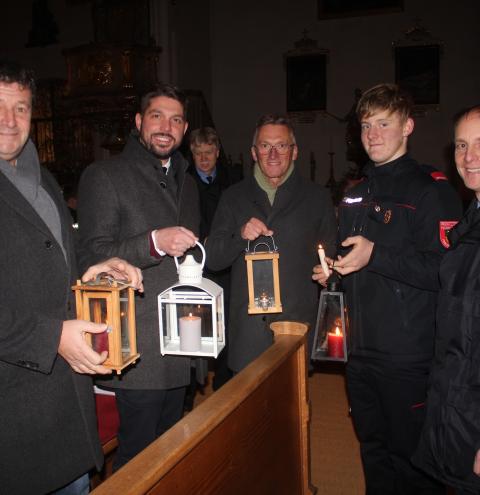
[[328, 9], [306, 82], [417, 70]]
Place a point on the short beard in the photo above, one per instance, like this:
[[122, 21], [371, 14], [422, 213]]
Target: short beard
[[160, 155]]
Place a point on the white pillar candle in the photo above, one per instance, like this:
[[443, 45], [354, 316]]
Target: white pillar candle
[[323, 261], [190, 333]]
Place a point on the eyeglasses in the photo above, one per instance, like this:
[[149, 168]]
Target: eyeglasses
[[280, 148]]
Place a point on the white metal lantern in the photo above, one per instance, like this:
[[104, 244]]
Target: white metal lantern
[[191, 313]]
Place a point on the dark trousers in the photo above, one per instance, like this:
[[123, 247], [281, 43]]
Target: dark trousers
[[387, 404], [144, 416]]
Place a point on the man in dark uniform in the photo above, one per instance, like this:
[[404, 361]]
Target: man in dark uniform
[[449, 448], [392, 228], [212, 179]]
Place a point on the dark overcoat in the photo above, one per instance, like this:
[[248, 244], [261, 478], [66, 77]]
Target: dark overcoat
[[301, 217], [48, 432], [121, 200], [451, 433]]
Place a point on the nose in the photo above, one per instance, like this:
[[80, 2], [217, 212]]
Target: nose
[[470, 154], [273, 151], [165, 125], [372, 132], [8, 117]]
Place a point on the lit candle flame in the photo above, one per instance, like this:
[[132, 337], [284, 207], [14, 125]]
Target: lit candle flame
[[337, 331]]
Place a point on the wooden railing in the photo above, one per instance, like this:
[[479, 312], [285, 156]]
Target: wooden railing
[[248, 438]]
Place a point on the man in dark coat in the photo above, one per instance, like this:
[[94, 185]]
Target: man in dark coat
[[392, 229], [449, 448], [212, 178], [143, 206], [276, 201], [48, 428]]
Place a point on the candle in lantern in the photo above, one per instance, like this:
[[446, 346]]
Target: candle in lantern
[[323, 261], [100, 340], [335, 344], [190, 333]]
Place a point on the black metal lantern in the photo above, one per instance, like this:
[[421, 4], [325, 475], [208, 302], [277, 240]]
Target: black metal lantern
[[330, 339]]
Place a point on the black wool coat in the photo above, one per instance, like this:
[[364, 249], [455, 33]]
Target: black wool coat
[[121, 200], [48, 433], [451, 433], [301, 217]]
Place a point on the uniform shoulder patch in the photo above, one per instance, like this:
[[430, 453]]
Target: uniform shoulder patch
[[437, 175], [445, 226]]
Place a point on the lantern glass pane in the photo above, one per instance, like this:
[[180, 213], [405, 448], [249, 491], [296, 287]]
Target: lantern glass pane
[[98, 314], [263, 287], [329, 318], [124, 317], [169, 316]]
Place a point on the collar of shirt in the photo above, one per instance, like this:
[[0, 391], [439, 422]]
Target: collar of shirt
[[204, 176], [167, 165]]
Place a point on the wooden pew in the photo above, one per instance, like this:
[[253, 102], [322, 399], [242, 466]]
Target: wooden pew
[[248, 438]]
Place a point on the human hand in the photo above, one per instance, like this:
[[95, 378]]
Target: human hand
[[253, 229], [119, 269], [175, 240], [75, 350], [319, 274], [476, 463], [357, 258]]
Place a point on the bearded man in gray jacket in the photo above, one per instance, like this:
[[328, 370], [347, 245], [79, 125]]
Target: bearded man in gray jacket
[[143, 206]]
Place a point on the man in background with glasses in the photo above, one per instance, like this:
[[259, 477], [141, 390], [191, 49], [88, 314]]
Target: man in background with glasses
[[276, 201]]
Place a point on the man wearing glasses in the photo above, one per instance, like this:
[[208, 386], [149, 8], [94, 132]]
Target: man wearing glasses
[[275, 201]]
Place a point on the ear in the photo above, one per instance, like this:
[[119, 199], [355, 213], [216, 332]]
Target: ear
[[218, 153], [254, 154], [138, 121], [408, 127], [295, 153]]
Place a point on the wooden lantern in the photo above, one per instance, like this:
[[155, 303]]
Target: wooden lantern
[[263, 280], [109, 301]]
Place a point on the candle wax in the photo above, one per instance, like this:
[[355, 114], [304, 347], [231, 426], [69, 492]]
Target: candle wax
[[335, 345], [190, 328]]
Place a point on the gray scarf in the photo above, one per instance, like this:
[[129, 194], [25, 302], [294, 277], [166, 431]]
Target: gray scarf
[[26, 177]]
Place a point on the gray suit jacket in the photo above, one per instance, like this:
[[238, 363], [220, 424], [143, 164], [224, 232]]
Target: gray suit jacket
[[48, 432], [121, 200]]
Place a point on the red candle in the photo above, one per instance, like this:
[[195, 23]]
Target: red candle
[[335, 344]]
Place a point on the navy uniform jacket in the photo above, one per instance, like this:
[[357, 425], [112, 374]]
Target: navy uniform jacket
[[405, 211]]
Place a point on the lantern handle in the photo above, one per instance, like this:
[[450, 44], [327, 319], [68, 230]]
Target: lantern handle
[[104, 278], [203, 255], [275, 248]]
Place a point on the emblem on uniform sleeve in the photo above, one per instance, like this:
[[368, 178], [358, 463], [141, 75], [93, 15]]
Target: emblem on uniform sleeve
[[445, 226], [387, 217]]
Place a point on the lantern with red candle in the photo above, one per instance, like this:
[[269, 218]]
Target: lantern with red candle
[[330, 339]]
